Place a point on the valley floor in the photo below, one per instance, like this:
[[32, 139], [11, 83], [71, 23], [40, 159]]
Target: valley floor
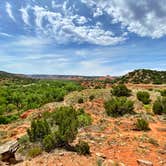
[[110, 139]]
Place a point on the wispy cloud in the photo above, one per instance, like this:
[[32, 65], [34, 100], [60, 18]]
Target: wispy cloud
[[5, 34], [25, 15], [9, 11]]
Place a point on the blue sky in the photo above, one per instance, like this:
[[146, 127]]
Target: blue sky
[[82, 37]]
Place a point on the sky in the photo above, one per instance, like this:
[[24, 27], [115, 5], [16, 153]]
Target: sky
[[82, 37]]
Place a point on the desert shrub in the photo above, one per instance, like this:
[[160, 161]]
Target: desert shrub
[[8, 119], [39, 129], [82, 148], [159, 106], [35, 151], [23, 140], [120, 90], [67, 121], [142, 124], [144, 97], [49, 142], [118, 106], [80, 100], [80, 111], [163, 92], [84, 120], [91, 97]]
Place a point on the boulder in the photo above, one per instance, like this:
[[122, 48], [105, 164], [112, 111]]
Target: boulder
[[7, 151]]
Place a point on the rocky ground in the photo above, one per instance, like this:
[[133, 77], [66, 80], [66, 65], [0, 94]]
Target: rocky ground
[[112, 141]]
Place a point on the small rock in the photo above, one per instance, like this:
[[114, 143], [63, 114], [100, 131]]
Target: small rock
[[61, 154], [161, 129], [142, 146], [101, 155], [111, 163], [162, 151], [144, 163]]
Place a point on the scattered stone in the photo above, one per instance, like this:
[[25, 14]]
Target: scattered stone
[[111, 163], [144, 163], [61, 154], [162, 151], [101, 155], [142, 146]]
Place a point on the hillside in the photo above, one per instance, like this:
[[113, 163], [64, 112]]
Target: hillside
[[6, 78], [144, 76]]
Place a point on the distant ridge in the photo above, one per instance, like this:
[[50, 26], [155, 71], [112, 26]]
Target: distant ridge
[[137, 76], [144, 76], [63, 77], [6, 77]]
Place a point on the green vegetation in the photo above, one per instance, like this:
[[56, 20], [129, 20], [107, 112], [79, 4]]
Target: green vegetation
[[80, 100], [159, 106], [34, 151], [120, 90], [39, 129], [119, 106], [59, 129], [8, 119], [163, 93], [82, 148], [144, 76], [91, 97], [16, 98], [83, 118], [49, 142], [144, 97], [142, 124]]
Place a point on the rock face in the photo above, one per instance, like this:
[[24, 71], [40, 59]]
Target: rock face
[[7, 151], [144, 163]]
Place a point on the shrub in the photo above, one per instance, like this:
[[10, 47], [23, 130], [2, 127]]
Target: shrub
[[8, 119], [159, 106], [91, 97], [142, 124], [82, 148], [118, 106], [80, 100], [84, 120], [163, 92], [48, 142], [39, 129], [144, 97], [23, 140], [121, 90], [67, 121], [35, 151]]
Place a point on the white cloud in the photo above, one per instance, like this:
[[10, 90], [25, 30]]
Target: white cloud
[[5, 34], [9, 11], [25, 15], [98, 12], [24, 41], [143, 17], [63, 30], [81, 20]]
